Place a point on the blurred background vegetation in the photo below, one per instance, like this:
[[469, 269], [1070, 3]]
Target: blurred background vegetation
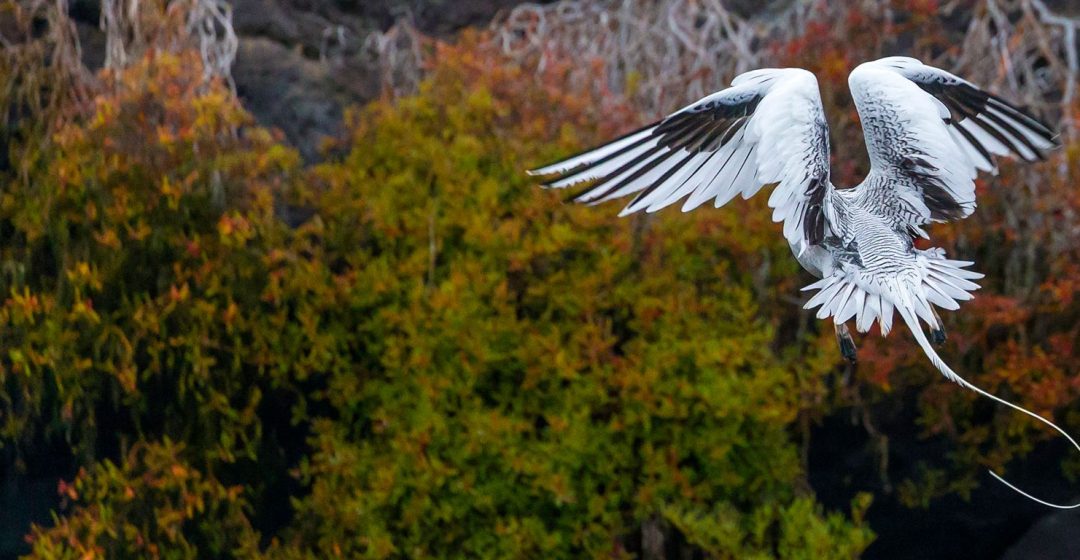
[[275, 286]]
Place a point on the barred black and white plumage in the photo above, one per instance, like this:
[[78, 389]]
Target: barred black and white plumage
[[928, 133]]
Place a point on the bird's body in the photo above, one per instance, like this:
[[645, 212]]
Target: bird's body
[[928, 133]]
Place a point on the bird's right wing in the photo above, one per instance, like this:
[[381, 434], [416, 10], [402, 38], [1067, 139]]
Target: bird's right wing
[[768, 127]]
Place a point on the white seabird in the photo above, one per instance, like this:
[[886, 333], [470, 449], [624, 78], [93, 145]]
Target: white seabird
[[928, 133]]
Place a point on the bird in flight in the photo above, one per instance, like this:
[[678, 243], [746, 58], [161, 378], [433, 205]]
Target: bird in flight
[[928, 133]]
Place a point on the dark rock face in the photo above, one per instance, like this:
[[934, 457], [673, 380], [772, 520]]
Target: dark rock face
[[1064, 8], [296, 67], [298, 64], [1054, 537], [436, 17], [297, 23], [844, 459], [286, 90]]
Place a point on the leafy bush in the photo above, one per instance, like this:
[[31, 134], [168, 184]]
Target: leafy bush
[[465, 365], [412, 351], [532, 380], [149, 506]]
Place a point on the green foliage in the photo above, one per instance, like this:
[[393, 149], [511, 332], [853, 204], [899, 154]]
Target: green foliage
[[127, 259], [801, 531], [135, 263], [150, 506], [441, 359], [438, 358], [468, 367], [538, 379]]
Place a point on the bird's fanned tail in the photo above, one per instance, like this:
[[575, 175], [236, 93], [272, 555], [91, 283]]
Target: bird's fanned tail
[[906, 311], [931, 280]]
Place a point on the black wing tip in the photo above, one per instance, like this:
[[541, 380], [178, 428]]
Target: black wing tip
[[539, 171], [1026, 117], [1055, 141], [536, 171], [999, 118], [550, 178], [550, 184]]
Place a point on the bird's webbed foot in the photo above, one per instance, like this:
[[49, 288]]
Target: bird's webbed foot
[[937, 336], [847, 344]]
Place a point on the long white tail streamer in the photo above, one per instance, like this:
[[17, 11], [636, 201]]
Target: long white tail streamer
[[916, 329]]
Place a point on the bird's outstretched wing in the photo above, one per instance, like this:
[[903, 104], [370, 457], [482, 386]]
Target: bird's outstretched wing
[[929, 132], [768, 127]]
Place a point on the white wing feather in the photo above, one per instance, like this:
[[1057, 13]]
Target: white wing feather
[[929, 132], [768, 127]]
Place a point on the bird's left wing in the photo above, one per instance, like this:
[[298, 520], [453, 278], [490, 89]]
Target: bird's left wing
[[929, 132], [768, 127]]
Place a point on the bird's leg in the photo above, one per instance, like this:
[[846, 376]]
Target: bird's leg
[[847, 344], [937, 336]]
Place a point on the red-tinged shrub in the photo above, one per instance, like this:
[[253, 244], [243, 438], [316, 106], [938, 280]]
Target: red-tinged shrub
[[1011, 338], [150, 505]]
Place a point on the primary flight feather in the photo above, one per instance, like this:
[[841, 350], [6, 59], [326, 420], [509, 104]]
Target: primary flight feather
[[928, 133]]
